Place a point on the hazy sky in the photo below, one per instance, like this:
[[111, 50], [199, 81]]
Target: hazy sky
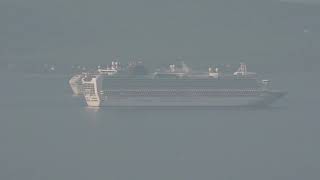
[[82, 31], [308, 1]]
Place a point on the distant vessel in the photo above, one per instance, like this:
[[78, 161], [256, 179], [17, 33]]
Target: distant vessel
[[177, 87], [76, 84]]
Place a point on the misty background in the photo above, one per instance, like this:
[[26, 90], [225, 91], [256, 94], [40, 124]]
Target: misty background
[[46, 134], [273, 34]]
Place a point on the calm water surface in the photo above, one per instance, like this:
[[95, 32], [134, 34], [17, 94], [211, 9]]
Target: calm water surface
[[45, 133]]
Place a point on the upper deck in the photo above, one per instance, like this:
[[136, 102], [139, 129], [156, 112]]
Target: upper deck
[[180, 78]]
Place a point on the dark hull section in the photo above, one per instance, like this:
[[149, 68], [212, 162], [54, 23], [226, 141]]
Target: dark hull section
[[183, 93], [178, 84], [231, 99], [179, 92]]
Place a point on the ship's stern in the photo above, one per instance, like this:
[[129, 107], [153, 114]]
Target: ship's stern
[[92, 90]]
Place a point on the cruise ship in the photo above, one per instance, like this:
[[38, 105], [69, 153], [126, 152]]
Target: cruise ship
[[177, 87], [76, 81]]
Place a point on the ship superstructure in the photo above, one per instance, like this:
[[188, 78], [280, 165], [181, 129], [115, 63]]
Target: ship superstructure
[[178, 88], [76, 83], [114, 68]]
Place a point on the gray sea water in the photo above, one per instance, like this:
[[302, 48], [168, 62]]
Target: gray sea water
[[45, 133]]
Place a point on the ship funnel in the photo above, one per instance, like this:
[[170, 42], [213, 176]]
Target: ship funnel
[[185, 68], [172, 67], [242, 70], [214, 73]]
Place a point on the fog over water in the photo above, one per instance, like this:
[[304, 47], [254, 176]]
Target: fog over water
[[45, 133], [71, 31]]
